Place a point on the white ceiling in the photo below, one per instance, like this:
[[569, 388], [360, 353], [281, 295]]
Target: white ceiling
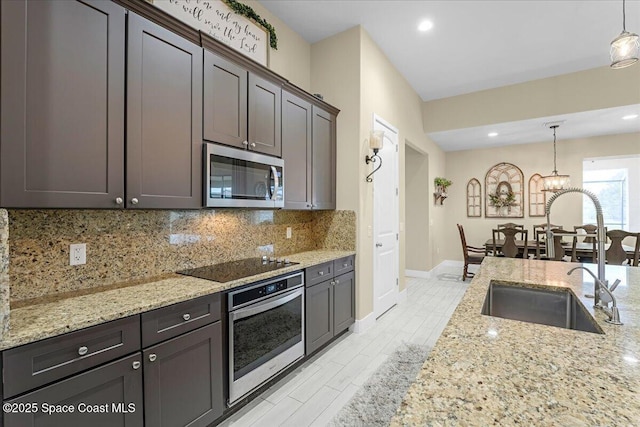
[[477, 45]]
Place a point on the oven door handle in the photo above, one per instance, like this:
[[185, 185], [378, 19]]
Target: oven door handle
[[266, 305]]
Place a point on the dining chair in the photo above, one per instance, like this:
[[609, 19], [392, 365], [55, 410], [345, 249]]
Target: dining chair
[[588, 229], [509, 247], [511, 225], [616, 254], [472, 255], [559, 245], [590, 238]]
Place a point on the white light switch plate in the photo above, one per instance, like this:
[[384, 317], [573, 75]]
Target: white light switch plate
[[77, 254]]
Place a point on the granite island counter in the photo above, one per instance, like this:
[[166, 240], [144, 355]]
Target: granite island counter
[[46, 317], [487, 370]]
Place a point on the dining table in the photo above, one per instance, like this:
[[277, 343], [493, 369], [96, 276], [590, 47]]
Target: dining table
[[583, 250]]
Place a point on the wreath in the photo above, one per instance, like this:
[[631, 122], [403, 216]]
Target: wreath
[[498, 201], [244, 10]]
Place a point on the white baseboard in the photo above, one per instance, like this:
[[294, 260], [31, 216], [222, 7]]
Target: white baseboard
[[418, 273], [363, 324]]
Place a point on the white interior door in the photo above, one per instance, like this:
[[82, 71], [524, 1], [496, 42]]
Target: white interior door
[[385, 222]]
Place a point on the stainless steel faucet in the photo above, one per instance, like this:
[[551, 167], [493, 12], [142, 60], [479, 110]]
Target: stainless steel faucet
[[606, 296], [601, 236]]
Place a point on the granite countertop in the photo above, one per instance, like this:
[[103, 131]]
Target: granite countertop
[[491, 371], [48, 318]]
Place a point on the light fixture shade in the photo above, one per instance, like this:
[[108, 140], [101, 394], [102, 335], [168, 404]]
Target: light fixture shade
[[555, 182], [624, 50], [375, 139]]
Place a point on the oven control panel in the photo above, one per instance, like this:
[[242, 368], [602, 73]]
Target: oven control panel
[[264, 289]]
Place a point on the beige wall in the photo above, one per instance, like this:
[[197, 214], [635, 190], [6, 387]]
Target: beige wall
[[570, 93], [292, 60], [417, 203], [531, 158]]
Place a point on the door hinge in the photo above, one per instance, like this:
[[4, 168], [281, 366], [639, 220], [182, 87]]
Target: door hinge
[[396, 191], [397, 236], [397, 283], [397, 148]]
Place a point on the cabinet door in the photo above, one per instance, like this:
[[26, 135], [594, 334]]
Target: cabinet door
[[318, 315], [323, 163], [164, 118], [62, 125], [265, 116], [183, 379], [296, 151], [108, 396], [225, 101], [344, 314]]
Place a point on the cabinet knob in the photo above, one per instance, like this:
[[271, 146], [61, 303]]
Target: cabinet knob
[[253, 145], [308, 205], [337, 282], [152, 357], [83, 350], [186, 316], [345, 265], [119, 200], [136, 364], [333, 282], [321, 273], [245, 143], [134, 201]]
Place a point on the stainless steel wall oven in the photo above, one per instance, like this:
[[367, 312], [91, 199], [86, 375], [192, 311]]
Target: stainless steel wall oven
[[266, 332]]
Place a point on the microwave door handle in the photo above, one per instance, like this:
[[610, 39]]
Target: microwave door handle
[[276, 180]]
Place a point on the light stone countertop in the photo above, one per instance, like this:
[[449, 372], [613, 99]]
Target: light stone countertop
[[50, 318], [491, 371]]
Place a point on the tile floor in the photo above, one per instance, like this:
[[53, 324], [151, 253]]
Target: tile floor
[[315, 392]]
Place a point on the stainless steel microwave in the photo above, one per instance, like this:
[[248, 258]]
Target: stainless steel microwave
[[237, 178]]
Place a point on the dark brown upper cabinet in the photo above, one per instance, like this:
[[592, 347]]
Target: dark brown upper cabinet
[[164, 118], [62, 122], [241, 109], [309, 150]]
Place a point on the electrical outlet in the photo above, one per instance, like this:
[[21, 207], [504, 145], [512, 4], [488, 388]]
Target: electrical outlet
[[288, 232], [77, 254]]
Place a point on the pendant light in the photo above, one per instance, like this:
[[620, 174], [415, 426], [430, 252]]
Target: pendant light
[[625, 47], [555, 182]]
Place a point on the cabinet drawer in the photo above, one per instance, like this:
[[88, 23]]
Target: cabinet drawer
[[319, 273], [343, 265], [42, 362], [168, 322]]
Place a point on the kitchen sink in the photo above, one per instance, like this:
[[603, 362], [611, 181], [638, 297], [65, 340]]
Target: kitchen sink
[[544, 306]]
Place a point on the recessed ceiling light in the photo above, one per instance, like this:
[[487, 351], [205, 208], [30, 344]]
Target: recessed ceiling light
[[425, 25], [630, 117], [492, 134]]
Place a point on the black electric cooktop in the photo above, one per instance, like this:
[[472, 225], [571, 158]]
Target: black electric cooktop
[[233, 270]]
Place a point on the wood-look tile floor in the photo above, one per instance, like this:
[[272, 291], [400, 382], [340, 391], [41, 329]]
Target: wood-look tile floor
[[315, 392]]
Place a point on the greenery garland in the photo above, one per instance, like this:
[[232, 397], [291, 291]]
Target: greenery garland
[[244, 10], [497, 201]]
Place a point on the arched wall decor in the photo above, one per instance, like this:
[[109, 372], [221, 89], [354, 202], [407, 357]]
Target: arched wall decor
[[504, 192], [474, 198], [537, 197]]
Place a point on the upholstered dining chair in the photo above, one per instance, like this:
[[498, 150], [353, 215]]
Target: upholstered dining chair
[[616, 253], [472, 255], [509, 248]]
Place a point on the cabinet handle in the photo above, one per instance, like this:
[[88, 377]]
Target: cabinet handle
[[253, 145], [119, 200], [136, 364], [134, 201], [321, 273], [245, 143], [186, 316], [345, 265], [152, 357], [83, 350]]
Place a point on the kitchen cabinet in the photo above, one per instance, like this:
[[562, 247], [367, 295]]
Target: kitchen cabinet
[[241, 108], [309, 150], [62, 125], [183, 379], [164, 118], [63, 109], [108, 396], [329, 301]]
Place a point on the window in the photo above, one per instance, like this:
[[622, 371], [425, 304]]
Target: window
[[612, 180]]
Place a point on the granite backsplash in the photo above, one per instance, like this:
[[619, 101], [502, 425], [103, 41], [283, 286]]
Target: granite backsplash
[[4, 271], [131, 244]]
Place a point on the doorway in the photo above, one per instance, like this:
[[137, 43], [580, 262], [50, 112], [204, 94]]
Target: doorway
[[385, 222]]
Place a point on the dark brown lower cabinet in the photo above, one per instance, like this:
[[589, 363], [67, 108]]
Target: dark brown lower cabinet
[[329, 310], [183, 379], [108, 396]]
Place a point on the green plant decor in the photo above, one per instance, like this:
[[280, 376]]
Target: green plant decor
[[442, 182], [498, 201], [244, 10]]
